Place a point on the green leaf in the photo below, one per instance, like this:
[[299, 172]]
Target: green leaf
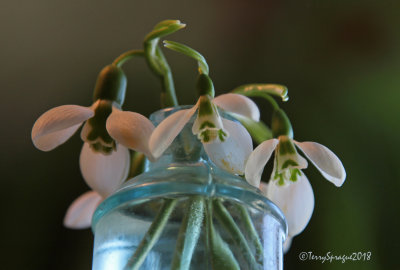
[[186, 50], [188, 234], [260, 90], [222, 257], [220, 254], [230, 225], [259, 131]]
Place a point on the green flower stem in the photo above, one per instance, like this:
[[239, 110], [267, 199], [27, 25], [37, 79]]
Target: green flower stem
[[158, 64], [259, 131], [152, 235], [169, 99], [227, 221], [189, 234], [249, 227], [186, 50], [221, 257], [120, 60], [271, 100]]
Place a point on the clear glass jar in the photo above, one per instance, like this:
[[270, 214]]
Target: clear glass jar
[[183, 212]]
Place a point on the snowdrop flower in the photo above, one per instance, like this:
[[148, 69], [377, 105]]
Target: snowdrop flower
[[289, 188], [227, 143], [104, 164]]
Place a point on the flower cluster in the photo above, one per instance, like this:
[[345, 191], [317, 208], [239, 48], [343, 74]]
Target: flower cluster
[[109, 134]]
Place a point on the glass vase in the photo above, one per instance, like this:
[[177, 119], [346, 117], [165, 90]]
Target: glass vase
[[183, 212]]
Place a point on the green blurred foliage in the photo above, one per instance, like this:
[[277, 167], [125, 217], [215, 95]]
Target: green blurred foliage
[[340, 60]]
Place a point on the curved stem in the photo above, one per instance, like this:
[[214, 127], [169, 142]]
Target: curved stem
[[186, 50], [271, 100], [120, 60], [158, 64], [249, 226], [230, 225], [152, 235]]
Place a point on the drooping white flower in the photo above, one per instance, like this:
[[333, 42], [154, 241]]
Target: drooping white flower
[[289, 188], [57, 125], [226, 142]]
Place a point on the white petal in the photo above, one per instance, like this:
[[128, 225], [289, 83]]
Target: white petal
[[80, 212], [104, 173], [55, 126], [238, 104], [296, 202], [232, 154], [130, 129], [165, 133], [325, 161], [257, 160]]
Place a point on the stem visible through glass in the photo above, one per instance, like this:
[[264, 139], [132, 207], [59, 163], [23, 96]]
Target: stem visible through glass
[[188, 234], [152, 235], [230, 225]]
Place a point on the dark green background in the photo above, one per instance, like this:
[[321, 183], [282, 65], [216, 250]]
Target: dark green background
[[340, 60]]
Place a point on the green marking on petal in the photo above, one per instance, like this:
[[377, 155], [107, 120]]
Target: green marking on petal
[[207, 124], [210, 135], [294, 173], [204, 136], [222, 135], [205, 107], [288, 163], [286, 146], [281, 181], [98, 147], [98, 136]]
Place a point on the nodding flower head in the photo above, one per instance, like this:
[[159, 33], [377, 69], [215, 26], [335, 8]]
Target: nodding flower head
[[227, 143]]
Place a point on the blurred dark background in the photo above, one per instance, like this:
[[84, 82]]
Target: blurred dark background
[[339, 59]]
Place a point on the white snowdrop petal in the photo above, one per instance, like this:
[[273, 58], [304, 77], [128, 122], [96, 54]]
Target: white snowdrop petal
[[50, 141], [232, 154], [238, 104], [165, 133], [257, 160], [325, 161], [104, 173], [131, 129], [296, 201], [80, 212], [57, 125]]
